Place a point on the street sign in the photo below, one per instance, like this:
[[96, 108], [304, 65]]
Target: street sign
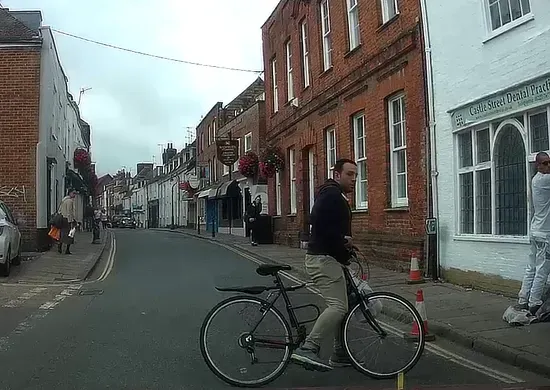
[[228, 151], [431, 226]]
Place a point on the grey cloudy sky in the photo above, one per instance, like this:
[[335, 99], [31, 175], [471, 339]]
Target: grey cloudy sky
[[138, 102]]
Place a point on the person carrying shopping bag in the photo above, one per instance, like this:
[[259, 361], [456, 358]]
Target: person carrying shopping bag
[[67, 211]]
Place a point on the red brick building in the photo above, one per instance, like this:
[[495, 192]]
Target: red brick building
[[244, 120], [20, 57], [345, 79]]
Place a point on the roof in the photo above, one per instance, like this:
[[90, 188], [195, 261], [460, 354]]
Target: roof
[[247, 97], [13, 30]]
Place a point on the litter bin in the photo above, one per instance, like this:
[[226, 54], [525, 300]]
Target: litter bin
[[264, 232]]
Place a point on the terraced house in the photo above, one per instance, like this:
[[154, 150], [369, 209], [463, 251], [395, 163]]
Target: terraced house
[[345, 79]]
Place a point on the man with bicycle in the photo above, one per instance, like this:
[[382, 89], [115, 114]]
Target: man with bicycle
[[328, 250]]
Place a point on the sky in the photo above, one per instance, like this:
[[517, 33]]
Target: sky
[[135, 102]]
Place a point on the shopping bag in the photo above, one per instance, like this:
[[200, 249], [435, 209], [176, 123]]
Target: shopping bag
[[72, 232], [375, 307], [54, 233]]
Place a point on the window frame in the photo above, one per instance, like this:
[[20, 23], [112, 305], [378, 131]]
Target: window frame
[[360, 204], [493, 32], [274, 86], [328, 150], [494, 125], [326, 35], [292, 180], [278, 196], [386, 10], [304, 44], [289, 72], [248, 140], [396, 200], [354, 33]]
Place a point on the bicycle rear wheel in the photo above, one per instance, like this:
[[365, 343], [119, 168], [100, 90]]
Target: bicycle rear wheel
[[233, 349], [389, 319]]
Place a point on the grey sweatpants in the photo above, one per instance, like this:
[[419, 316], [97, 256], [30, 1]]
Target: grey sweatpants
[[328, 277], [536, 272]]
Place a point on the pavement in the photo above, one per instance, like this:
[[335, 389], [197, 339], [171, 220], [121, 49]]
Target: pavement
[[137, 327], [469, 317], [52, 267]]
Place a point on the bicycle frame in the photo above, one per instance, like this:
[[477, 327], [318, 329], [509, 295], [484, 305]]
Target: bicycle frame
[[283, 291], [295, 324]]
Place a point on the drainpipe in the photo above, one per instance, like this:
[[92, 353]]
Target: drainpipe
[[433, 209]]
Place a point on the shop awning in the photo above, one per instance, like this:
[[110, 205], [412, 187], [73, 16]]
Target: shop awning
[[229, 188], [208, 193], [74, 181]]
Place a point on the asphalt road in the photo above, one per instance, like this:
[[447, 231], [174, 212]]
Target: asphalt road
[[139, 328]]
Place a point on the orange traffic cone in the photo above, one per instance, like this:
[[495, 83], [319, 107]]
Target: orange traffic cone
[[415, 275], [421, 308]]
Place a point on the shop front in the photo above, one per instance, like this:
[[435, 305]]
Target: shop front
[[485, 206]]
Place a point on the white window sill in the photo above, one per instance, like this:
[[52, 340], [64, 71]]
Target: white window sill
[[360, 210], [491, 238], [510, 26]]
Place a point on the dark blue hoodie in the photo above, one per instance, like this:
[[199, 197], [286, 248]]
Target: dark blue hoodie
[[330, 222]]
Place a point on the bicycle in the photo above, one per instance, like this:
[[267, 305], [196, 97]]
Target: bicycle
[[364, 308]]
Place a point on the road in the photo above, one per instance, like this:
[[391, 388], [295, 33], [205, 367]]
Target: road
[[138, 327]]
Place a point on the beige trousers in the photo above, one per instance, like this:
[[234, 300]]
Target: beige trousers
[[329, 279]]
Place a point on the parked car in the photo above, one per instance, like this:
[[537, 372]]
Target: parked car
[[127, 222], [10, 240]]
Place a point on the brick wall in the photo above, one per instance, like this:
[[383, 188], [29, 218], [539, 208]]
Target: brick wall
[[389, 62], [19, 128]]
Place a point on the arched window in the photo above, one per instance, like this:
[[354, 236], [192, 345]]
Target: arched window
[[510, 182]]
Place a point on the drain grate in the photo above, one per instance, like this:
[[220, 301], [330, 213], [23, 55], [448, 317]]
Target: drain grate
[[90, 292]]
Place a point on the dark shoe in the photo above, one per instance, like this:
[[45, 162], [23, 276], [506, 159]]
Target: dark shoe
[[533, 309], [339, 360], [310, 360], [68, 253]]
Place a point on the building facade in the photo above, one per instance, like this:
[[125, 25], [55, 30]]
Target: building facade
[[40, 126], [491, 109], [226, 193], [346, 80]]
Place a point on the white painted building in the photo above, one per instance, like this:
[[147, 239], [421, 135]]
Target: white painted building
[[60, 134], [491, 112]]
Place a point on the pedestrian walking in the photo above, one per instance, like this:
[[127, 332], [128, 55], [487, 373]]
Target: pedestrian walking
[[104, 218], [538, 265], [252, 214], [328, 250], [96, 222], [67, 211]]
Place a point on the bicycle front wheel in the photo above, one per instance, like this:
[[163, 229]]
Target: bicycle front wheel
[[244, 343], [384, 335]]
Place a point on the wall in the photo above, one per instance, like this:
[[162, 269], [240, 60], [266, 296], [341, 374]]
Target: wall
[[468, 67], [19, 126], [388, 62]]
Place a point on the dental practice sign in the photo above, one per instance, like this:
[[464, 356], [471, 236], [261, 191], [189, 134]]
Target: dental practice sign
[[519, 98]]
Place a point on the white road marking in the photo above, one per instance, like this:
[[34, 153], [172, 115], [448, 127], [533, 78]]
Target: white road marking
[[23, 297], [110, 261], [69, 291], [435, 349]]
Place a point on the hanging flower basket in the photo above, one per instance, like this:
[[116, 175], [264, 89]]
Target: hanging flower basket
[[272, 160], [81, 158], [248, 164]]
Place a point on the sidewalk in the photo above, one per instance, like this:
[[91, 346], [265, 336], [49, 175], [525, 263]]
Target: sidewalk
[[53, 267], [468, 317]]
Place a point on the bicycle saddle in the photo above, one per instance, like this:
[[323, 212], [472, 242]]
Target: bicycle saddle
[[272, 269]]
